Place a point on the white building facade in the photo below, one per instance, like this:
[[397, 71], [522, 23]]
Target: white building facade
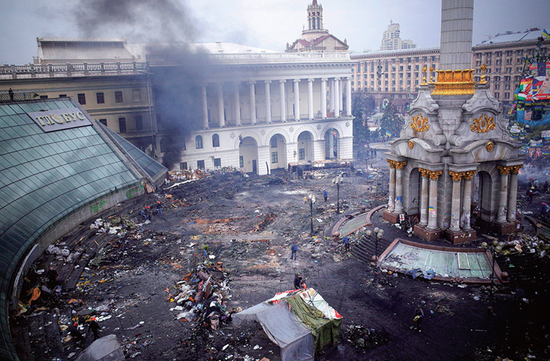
[[269, 111]]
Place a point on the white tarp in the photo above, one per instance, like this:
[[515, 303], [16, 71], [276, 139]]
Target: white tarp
[[105, 348], [283, 328]]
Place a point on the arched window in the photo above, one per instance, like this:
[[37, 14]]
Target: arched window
[[198, 142], [215, 140]]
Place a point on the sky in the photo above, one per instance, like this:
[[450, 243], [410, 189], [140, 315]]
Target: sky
[[267, 24]]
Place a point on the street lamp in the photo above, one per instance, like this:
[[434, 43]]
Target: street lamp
[[495, 248], [311, 199], [378, 237], [337, 181]]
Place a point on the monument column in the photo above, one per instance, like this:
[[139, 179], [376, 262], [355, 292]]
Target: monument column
[[424, 198], [399, 186], [513, 196], [467, 200], [455, 201], [391, 197], [432, 205], [501, 215]]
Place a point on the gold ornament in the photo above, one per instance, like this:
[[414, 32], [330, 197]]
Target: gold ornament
[[483, 124], [435, 174], [504, 169], [489, 146], [469, 174], [454, 82], [419, 123], [411, 144], [515, 168], [456, 175]]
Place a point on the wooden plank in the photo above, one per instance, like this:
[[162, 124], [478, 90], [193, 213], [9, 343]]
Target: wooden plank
[[463, 262]]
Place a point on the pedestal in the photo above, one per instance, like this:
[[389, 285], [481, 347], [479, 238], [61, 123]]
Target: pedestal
[[390, 217], [427, 234], [499, 228], [458, 237]]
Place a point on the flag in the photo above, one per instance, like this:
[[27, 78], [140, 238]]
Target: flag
[[388, 134], [545, 34]]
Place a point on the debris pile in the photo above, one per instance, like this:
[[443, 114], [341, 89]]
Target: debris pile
[[363, 337]]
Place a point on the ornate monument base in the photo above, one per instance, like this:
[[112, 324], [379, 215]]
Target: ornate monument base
[[390, 217], [460, 236], [499, 228], [427, 234]]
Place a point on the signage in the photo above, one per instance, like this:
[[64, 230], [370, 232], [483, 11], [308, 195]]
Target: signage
[[60, 119]]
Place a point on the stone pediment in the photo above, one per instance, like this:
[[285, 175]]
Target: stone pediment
[[485, 150], [416, 148]]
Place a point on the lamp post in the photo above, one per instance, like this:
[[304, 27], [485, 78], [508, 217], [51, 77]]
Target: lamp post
[[378, 237], [337, 180], [311, 199], [495, 248]]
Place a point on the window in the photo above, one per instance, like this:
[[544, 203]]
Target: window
[[118, 97], [497, 70], [508, 61], [62, 95], [121, 125], [488, 78], [200, 164], [519, 52], [302, 154], [198, 142], [488, 62], [82, 98], [273, 142], [506, 86], [508, 70], [139, 122], [506, 95], [43, 97], [100, 98], [241, 161], [274, 157], [488, 55], [103, 121], [507, 78], [217, 162], [509, 53], [183, 166], [478, 55], [498, 53], [519, 61], [498, 62], [497, 95], [497, 86], [497, 78], [478, 62], [215, 140], [136, 95], [519, 69]]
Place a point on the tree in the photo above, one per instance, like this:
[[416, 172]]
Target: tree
[[362, 107], [391, 121]]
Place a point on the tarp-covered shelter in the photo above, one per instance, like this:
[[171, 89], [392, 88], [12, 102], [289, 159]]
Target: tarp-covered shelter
[[105, 348], [300, 322]]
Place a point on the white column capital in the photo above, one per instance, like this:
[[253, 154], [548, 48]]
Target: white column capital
[[282, 81], [311, 80], [252, 82], [296, 80], [267, 81]]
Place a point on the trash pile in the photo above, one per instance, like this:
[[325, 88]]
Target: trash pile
[[524, 244], [363, 337], [202, 296]]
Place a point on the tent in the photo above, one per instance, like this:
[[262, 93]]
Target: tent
[[105, 348], [300, 322]]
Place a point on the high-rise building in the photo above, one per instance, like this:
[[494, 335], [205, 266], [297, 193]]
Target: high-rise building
[[391, 39]]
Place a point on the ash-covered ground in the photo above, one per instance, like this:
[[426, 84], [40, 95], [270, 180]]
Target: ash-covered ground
[[139, 279]]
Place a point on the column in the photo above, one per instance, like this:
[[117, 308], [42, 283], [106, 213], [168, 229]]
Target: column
[[310, 98], [399, 187], [432, 202], [330, 144], [331, 95], [513, 195], [348, 97], [221, 106], [204, 107], [391, 197], [340, 96], [296, 99], [252, 102], [467, 200], [237, 105], [268, 101], [424, 198], [283, 101], [455, 201], [337, 97], [503, 195], [324, 98]]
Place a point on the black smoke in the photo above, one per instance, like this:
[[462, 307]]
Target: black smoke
[[177, 69]]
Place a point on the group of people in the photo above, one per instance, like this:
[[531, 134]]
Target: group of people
[[146, 211]]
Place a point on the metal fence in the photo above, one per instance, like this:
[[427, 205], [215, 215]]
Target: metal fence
[[69, 69]]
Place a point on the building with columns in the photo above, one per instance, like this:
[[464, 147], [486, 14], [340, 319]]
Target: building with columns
[[454, 158], [269, 111]]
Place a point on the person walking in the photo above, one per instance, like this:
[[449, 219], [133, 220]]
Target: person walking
[[346, 243], [298, 281], [94, 327], [159, 208], [10, 92], [417, 320], [294, 249], [325, 194]]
